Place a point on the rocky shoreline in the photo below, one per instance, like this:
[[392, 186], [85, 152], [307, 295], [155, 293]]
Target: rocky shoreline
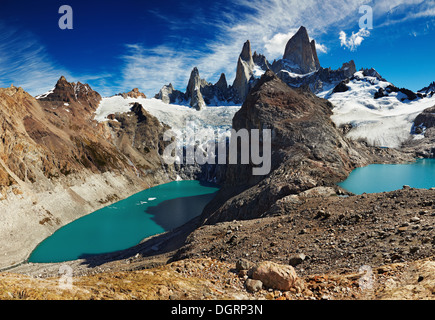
[[325, 238]]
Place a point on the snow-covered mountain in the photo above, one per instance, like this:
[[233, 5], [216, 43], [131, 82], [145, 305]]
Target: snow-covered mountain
[[383, 120], [179, 117], [429, 90], [366, 105]]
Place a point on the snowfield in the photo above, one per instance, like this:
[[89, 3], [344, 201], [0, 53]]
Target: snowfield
[[189, 126], [382, 122], [176, 116]]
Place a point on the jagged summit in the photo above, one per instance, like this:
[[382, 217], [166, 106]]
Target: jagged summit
[[245, 70], [193, 90], [300, 66], [430, 89], [301, 52]]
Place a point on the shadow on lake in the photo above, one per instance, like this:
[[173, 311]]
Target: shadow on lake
[[173, 213]]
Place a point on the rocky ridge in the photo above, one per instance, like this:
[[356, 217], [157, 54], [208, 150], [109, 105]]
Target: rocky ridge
[[307, 151], [57, 163]]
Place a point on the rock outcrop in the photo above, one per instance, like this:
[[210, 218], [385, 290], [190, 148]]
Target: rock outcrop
[[307, 151], [193, 90], [58, 164], [135, 93], [301, 53], [426, 119]]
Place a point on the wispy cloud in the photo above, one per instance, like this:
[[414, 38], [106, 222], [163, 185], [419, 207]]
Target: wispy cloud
[[354, 41], [24, 62], [267, 24]]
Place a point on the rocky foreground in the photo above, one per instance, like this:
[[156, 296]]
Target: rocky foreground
[[324, 246]]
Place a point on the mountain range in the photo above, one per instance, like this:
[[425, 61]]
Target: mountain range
[[69, 152]]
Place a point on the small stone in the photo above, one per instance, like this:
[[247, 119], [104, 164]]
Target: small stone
[[270, 296], [296, 259], [415, 219], [414, 249], [243, 264]]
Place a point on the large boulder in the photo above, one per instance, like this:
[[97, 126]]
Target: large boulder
[[275, 276]]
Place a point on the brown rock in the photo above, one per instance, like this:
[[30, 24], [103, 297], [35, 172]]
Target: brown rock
[[275, 276]]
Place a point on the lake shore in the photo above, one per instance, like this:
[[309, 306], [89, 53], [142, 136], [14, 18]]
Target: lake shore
[[32, 215]]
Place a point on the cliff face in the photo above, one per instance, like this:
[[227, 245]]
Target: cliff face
[[244, 72], [301, 52], [307, 151], [57, 163]]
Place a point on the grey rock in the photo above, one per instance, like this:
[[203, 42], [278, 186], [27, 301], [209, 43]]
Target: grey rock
[[301, 53], [245, 68], [253, 285], [243, 264], [296, 259]]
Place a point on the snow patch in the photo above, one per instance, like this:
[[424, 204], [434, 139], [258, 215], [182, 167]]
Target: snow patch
[[382, 122]]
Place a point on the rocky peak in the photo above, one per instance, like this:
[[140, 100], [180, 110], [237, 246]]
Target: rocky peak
[[193, 90], [245, 68], [135, 93], [222, 83], [169, 95], [301, 53], [370, 73], [246, 54], [261, 61], [70, 92], [430, 89]]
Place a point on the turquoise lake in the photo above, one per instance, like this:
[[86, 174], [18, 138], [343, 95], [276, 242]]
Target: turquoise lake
[[388, 177], [127, 222]]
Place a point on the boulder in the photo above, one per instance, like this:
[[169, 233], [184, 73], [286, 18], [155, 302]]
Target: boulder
[[253, 285], [275, 276]]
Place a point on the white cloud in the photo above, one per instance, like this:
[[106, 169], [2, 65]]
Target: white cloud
[[355, 40], [276, 45], [321, 48], [267, 24]]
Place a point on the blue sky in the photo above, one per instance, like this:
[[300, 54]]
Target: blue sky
[[118, 45]]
